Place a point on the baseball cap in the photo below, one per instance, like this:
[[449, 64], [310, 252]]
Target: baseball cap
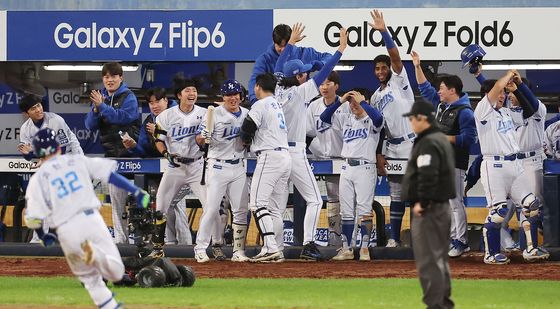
[[422, 107], [294, 67]]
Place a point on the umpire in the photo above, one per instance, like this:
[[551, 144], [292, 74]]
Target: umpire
[[428, 184]]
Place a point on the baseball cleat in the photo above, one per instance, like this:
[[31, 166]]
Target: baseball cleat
[[278, 259], [156, 253], [344, 254], [218, 253], [496, 259], [239, 256], [458, 249], [311, 252], [514, 248], [266, 256], [391, 243], [201, 257], [364, 254], [535, 254], [88, 250]]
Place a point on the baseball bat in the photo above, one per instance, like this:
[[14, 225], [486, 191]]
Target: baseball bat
[[210, 128]]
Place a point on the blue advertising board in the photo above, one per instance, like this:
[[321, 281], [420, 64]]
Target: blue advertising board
[[138, 35]]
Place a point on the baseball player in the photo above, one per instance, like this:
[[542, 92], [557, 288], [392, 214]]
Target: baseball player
[[327, 144], [502, 174], [266, 62], [176, 128], [552, 141], [114, 109], [528, 113], [61, 192], [293, 93], [360, 135], [455, 117], [393, 98], [227, 174], [38, 119], [265, 130]]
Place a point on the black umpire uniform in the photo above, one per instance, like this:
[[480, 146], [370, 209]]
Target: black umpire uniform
[[429, 183]]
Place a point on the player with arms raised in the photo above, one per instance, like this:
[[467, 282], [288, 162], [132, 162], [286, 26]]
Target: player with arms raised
[[393, 98]]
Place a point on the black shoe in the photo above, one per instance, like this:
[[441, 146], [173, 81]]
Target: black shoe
[[311, 252]]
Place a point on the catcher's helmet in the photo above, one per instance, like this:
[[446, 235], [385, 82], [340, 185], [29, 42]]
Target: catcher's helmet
[[231, 86], [45, 142], [472, 53]]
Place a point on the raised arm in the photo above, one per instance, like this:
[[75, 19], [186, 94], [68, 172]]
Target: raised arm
[[320, 77], [379, 25], [296, 36], [499, 87], [426, 89]]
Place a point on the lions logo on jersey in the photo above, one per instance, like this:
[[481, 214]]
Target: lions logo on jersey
[[231, 133], [178, 133], [351, 134], [385, 100]]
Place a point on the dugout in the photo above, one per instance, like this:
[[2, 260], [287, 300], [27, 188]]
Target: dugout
[[212, 46]]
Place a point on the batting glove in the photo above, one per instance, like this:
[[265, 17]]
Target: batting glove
[[142, 198], [206, 134], [171, 158], [49, 240]]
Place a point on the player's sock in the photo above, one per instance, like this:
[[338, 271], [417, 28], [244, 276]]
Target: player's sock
[[348, 230], [492, 238], [239, 235], [366, 232], [535, 234], [396, 210], [159, 238]]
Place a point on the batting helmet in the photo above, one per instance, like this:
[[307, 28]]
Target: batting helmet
[[45, 142], [472, 53], [231, 86], [295, 67]]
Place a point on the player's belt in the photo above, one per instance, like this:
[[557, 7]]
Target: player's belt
[[187, 160], [296, 144], [398, 140], [525, 155], [512, 157], [354, 162], [236, 161], [275, 149]]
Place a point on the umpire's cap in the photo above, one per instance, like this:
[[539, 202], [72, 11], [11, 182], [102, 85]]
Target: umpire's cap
[[470, 53], [231, 86], [422, 107], [45, 142], [295, 67]]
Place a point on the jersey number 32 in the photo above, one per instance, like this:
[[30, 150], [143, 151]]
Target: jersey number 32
[[68, 185]]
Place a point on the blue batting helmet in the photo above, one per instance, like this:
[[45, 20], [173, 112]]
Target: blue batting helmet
[[471, 53], [231, 86], [295, 67], [45, 142]]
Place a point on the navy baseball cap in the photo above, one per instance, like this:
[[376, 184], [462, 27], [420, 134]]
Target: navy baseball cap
[[295, 67], [422, 107]]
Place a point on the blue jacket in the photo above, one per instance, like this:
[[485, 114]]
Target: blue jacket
[[266, 62], [121, 116], [467, 136], [145, 146]]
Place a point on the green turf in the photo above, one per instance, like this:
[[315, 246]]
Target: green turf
[[287, 293]]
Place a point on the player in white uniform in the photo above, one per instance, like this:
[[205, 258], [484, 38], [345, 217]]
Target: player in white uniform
[[227, 173], [552, 141], [502, 174], [177, 127], [295, 90], [360, 135], [38, 119], [265, 129], [61, 192], [393, 98], [529, 133], [327, 144]]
